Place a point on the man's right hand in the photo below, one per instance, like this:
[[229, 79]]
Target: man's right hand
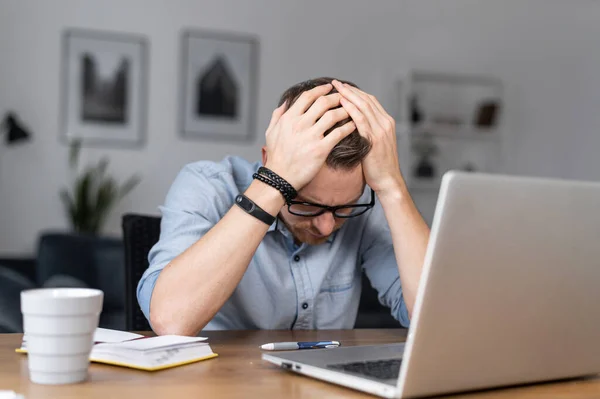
[[296, 145]]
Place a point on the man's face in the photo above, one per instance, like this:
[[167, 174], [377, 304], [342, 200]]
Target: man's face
[[329, 187]]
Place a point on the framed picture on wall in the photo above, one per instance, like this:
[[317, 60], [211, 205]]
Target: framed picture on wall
[[103, 88], [218, 85]]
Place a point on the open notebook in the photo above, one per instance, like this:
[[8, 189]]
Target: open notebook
[[144, 353]]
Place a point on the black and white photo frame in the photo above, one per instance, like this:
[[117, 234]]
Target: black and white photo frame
[[218, 85], [104, 83]]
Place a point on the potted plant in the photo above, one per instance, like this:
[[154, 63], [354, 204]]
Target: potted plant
[[93, 194]]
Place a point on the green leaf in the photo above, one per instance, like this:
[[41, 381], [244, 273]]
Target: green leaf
[[69, 205], [74, 153], [101, 168], [129, 185], [106, 198], [66, 198], [83, 206], [94, 194]]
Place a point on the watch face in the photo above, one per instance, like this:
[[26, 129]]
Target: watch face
[[245, 203], [250, 207]]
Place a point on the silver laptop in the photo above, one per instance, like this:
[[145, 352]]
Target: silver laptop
[[510, 294]]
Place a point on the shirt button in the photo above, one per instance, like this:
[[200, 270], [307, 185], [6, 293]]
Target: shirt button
[[305, 306], [297, 259]]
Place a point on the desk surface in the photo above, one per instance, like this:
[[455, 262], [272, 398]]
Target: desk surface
[[237, 372]]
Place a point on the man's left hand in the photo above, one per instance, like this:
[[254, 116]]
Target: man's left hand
[[380, 167]]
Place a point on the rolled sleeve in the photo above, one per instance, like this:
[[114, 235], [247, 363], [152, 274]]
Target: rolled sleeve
[[196, 201], [379, 264]]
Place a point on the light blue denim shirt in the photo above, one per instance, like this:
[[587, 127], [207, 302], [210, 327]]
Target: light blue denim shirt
[[286, 286]]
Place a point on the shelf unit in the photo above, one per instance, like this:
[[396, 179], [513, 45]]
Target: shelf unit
[[456, 118], [456, 132]]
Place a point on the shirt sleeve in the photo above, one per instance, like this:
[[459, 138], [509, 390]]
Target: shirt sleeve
[[379, 264], [196, 201]]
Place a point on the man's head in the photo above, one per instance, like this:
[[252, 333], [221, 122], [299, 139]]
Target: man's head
[[340, 181], [352, 149]]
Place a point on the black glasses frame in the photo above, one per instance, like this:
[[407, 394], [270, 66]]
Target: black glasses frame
[[333, 209]]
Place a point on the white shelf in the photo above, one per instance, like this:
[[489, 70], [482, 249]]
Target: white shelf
[[459, 132]]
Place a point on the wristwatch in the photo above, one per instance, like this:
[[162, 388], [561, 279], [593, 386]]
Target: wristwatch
[[251, 208]]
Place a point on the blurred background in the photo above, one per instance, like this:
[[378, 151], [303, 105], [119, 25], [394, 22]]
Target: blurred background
[[503, 86]]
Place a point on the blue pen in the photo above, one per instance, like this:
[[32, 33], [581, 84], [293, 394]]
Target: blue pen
[[284, 346]]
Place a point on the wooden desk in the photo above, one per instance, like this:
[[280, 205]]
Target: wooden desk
[[237, 372]]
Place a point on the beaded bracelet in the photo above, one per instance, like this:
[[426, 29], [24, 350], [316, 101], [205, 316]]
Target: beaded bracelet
[[271, 178]]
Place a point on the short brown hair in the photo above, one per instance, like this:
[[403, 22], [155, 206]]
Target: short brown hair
[[352, 149]]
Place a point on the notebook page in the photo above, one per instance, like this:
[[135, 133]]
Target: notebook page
[[106, 335], [154, 343]]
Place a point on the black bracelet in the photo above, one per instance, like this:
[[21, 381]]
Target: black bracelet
[[271, 178], [272, 184], [251, 208]]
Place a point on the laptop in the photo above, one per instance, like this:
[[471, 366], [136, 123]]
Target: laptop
[[509, 295]]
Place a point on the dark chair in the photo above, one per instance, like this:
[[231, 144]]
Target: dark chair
[[11, 285], [371, 313], [140, 233], [66, 260], [95, 262]]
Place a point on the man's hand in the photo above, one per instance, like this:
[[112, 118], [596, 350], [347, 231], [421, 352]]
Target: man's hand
[[380, 167], [296, 145]]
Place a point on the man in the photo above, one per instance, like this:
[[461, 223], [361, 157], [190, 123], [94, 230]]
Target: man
[[220, 266]]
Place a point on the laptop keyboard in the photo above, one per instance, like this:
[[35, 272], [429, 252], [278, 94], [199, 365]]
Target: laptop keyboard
[[380, 369]]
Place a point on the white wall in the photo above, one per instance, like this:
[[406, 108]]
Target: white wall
[[547, 52]]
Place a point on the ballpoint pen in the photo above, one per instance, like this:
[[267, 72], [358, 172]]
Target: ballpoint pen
[[282, 346]]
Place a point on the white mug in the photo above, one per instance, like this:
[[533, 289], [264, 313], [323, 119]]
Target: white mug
[[59, 326]]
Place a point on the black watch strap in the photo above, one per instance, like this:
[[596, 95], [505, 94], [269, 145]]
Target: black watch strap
[[250, 207]]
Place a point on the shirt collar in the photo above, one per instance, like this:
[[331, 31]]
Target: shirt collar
[[272, 226], [284, 230]]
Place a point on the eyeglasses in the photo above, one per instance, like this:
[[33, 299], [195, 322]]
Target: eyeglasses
[[308, 209]]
